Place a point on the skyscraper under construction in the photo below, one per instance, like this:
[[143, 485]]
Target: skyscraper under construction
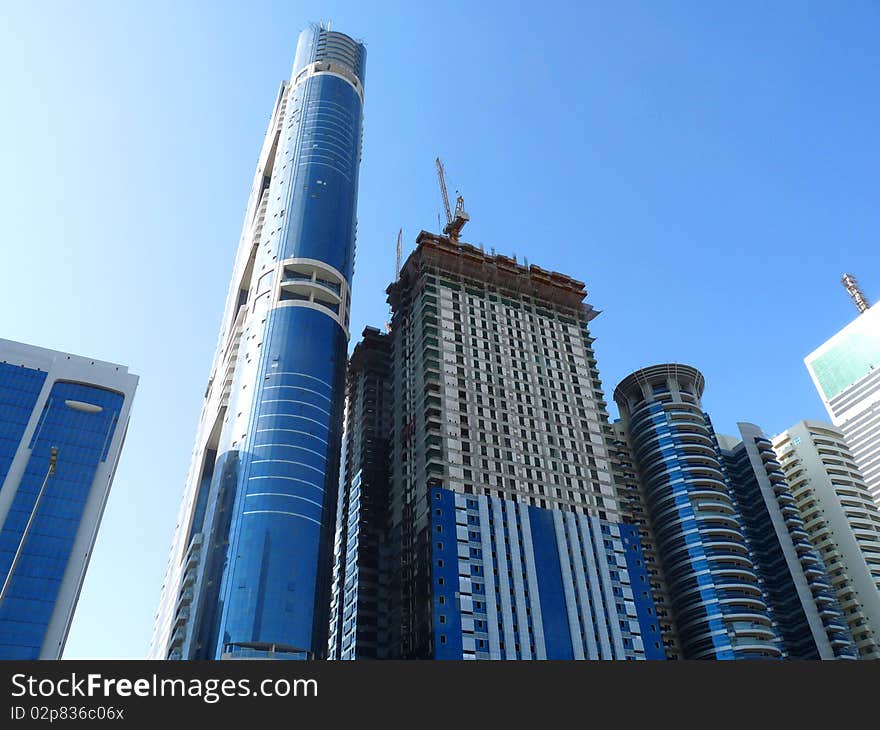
[[500, 532]]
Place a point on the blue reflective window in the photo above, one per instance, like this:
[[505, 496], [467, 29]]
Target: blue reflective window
[[82, 439], [281, 536], [19, 390]]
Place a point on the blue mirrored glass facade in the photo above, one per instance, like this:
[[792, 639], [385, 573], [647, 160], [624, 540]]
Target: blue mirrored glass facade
[[82, 439], [249, 572], [19, 390], [48, 522], [274, 591]]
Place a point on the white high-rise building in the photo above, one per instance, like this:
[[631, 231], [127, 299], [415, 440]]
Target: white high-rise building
[[846, 372], [842, 521]]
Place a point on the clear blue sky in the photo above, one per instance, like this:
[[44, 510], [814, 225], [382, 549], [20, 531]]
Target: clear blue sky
[[709, 169]]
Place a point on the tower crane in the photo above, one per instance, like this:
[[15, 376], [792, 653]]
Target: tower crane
[[399, 249], [454, 221], [396, 273]]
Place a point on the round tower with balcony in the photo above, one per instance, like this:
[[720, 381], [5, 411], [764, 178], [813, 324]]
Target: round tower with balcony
[[717, 600]]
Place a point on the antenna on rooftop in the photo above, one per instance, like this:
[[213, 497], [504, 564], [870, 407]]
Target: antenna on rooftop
[[852, 288]]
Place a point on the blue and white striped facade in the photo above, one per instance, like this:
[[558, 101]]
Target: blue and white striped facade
[[515, 581]]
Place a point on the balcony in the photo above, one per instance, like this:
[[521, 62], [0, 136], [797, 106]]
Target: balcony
[[752, 628], [177, 638], [182, 617]]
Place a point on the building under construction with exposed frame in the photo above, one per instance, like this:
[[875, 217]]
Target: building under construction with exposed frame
[[503, 534]]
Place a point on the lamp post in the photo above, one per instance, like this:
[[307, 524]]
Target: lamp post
[[53, 460]]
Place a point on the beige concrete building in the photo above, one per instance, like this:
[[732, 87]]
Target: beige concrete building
[[842, 520]]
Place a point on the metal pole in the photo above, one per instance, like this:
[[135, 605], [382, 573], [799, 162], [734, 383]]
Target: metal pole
[[53, 459]]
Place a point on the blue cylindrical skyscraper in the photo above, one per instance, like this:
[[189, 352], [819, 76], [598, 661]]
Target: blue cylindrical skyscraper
[[716, 596], [249, 569]]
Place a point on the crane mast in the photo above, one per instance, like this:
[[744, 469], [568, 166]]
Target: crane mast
[[441, 174]]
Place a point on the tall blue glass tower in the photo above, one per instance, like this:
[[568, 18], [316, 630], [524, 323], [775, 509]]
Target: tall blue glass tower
[[249, 571]]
